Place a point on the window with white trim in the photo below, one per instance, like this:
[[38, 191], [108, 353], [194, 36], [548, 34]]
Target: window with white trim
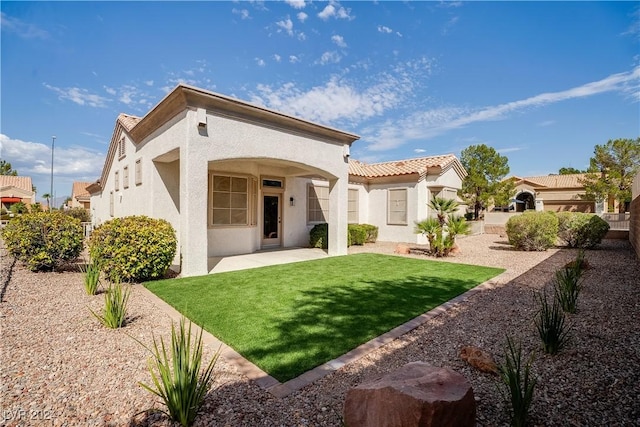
[[317, 204], [397, 206], [138, 171], [125, 177], [352, 206], [232, 201], [116, 180]]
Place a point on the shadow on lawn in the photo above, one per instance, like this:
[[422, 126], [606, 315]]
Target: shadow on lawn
[[325, 324]]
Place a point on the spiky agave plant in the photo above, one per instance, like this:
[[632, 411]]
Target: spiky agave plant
[[551, 324]]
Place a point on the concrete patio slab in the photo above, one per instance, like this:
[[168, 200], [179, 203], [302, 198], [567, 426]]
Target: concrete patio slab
[[264, 258]]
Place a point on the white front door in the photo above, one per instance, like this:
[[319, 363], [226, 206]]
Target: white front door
[[271, 219]]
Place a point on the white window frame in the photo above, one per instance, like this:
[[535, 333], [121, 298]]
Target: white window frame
[[314, 201], [352, 206], [394, 205]]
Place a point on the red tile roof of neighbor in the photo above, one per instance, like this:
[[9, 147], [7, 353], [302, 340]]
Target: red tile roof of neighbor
[[555, 181], [21, 182], [402, 167], [127, 121], [80, 189]]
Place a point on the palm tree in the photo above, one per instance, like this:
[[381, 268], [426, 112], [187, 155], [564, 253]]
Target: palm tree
[[430, 228], [457, 225], [47, 196], [443, 208]]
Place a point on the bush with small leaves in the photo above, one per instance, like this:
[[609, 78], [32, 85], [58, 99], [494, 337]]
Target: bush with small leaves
[[372, 232], [518, 382], [81, 213], [133, 248], [43, 240], [358, 234], [581, 230], [318, 236], [533, 231]]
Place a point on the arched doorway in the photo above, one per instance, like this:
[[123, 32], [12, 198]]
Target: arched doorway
[[525, 201]]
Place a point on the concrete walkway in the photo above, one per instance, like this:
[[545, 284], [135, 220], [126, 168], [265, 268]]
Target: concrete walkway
[[263, 258]]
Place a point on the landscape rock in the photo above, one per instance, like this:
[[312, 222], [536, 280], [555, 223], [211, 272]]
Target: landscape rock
[[479, 359], [416, 395], [402, 249]]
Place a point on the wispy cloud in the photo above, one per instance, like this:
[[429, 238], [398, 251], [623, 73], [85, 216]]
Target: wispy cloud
[[546, 123], [430, 123], [79, 96], [634, 28], [419, 150], [339, 40], [296, 4], [277, 57], [448, 26], [329, 58], [508, 150], [447, 3], [335, 10], [285, 25], [302, 16], [22, 29], [260, 62], [384, 29], [293, 59], [243, 13]]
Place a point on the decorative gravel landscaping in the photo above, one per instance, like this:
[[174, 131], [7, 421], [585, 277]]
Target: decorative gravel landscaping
[[290, 318], [59, 366]]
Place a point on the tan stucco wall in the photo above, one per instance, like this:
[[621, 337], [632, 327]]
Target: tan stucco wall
[[634, 223]]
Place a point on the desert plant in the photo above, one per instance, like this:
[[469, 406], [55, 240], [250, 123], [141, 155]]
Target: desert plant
[[358, 234], [91, 271], [19, 208], [372, 232], [176, 375], [551, 324], [443, 208], [568, 283], [581, 230], [43, 240], [116, 300], [518, 382], [430, 228], [318, 236], [533, 231], [133, 248], [456, 226]]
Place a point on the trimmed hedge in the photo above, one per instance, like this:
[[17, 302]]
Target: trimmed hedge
[[318, 236], [533, 231], [581, 230], [133, 248], [357, 234], [372, 232], [81, 213], [44, 240]]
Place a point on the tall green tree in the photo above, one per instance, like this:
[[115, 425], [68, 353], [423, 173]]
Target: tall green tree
[[485, 183], [612, 169], [6, 169], [569, 171]]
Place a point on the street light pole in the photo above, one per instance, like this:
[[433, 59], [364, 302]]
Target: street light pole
[[53, 141]]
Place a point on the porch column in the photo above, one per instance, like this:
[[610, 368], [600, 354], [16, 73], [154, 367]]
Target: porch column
[[193, 212], [338, 199]]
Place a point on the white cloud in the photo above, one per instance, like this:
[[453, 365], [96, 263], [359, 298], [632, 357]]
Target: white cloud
[[244, 13], [509, 150], [21, 28], [296, 4], [329, 58], [293, 59], [339, 40], [277, 57], [71, 162], [634, 28], [546, 123], [302, 16], [79, 96], [334, 10], [149, 82], [430, 123], [449, 25], [286, 25], [384, 29], [260, 62], [110, 90], [419, 150], [450, 3]]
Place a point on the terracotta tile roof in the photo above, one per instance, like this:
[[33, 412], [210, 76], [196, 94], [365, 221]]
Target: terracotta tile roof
[[400, 167], [21, 182], [127, 121], [79, 189], [556, 181]]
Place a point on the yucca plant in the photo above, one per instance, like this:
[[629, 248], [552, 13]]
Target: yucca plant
[[176, 375], [114, 312], [91, 273], [518, 382], [550, 321]]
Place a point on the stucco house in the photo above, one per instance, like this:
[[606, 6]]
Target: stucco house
[[551, 193], [15, 189], [234, 178], [80, 197]]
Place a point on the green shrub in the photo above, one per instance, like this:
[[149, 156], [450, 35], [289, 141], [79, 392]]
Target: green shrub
[[91, 273], [358, 234], [43, 240], [518, 383], [581, 230], [372, 232], [533, 231], [19, 208], [178, 381], [134, 248], [568, 284], [551, 325], [81, 213], [318, 236], [116, 299]]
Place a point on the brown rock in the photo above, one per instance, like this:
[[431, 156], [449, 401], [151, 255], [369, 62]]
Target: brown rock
[[416, 395], [479, 359], [402, 250], [455, 249]]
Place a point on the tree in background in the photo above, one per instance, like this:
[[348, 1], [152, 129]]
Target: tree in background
[[484, 183], [569, 171], [612, 169], [47, 196], [6, 169]]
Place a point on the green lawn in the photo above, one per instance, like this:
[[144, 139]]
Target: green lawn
[[290, 318]]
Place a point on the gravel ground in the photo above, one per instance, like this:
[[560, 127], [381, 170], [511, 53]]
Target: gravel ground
[[59, 367]]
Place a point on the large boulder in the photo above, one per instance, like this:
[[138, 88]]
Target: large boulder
[[417, 394]]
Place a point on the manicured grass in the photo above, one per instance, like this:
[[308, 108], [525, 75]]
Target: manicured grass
[[290, 318]]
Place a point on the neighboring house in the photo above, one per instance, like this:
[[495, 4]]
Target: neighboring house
[[80, 197], [234, 178], [551, 193], [14, 189]]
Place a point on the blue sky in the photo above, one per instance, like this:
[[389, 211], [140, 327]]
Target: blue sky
[[541, 82]]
